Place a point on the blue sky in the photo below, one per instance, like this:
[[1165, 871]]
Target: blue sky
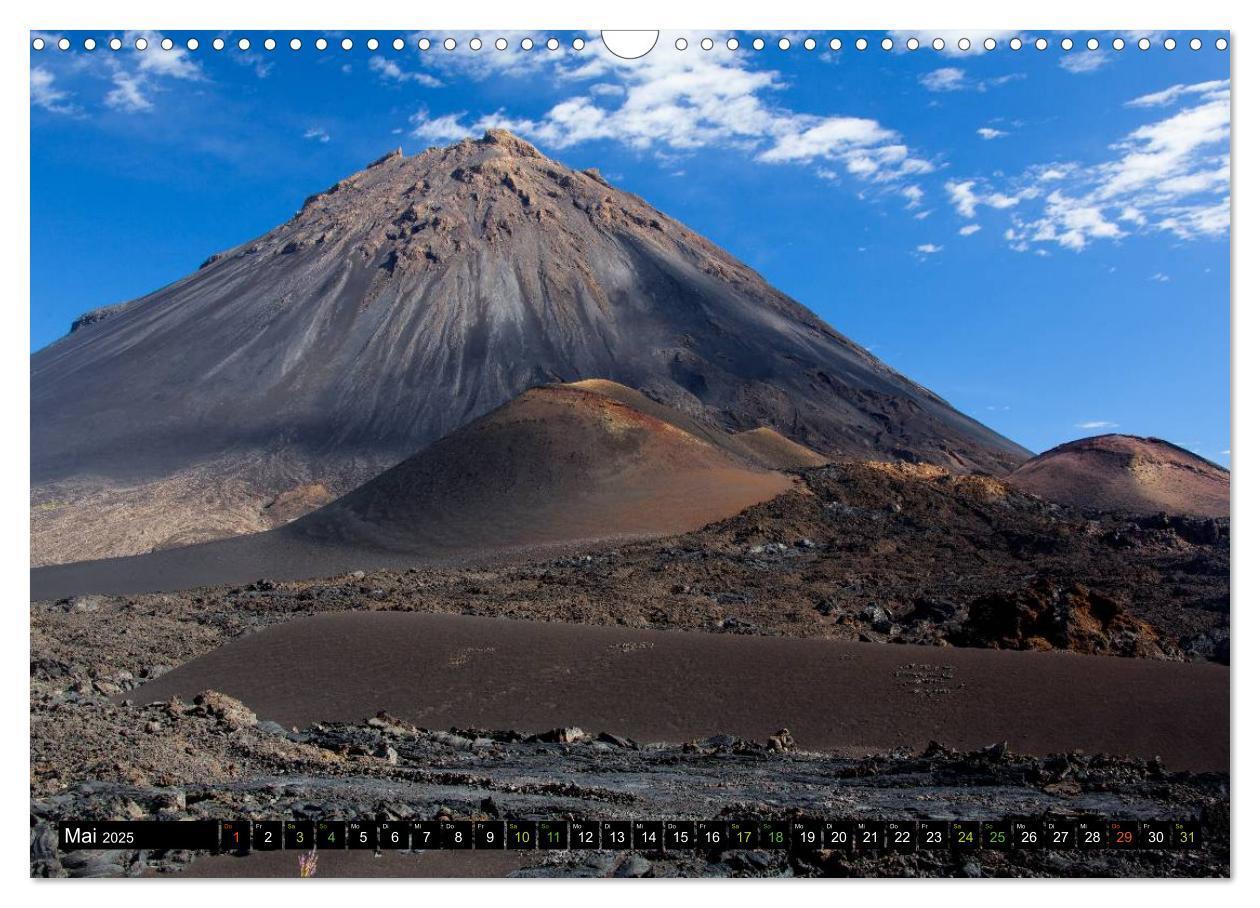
[[1041, 237]]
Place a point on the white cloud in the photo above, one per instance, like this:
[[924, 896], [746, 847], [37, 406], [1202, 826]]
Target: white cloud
[[1170, 148], [929, 248], [128, 93], [1160, 277], [146, 72], [389, 70], [1084, 62], [947, 78], [446, 128], [175, 63], [45, 94], [1097, 424], [966, 198], [1001, 200], [969, 229], [1171, 174], [317, 134], [1048, 173], [1211, 90], [913, 195], [952, 78], [988, 133], [1073, 223], [1190, 221], [820, 137], [676, 103]]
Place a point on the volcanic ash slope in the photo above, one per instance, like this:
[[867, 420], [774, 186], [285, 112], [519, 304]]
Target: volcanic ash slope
[[560, 463]]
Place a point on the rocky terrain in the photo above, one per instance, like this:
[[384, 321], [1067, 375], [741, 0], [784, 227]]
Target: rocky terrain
[[211, 501], [406, 301], [856, 551], [860, 551], [1127, 474], [211, 758]]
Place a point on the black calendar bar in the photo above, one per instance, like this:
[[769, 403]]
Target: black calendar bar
[[860, 836], [122, 835]]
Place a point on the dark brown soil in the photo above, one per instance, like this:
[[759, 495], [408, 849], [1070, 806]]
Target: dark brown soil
[[441, 671], [778, 452]]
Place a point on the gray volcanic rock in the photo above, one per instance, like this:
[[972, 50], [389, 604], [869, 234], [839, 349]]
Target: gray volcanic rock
[[93, 316], [421, 293]]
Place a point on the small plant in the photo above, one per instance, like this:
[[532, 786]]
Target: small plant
[[307, 864]]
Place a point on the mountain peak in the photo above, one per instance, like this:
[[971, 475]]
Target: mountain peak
[[513, 143], [443, 208], [420, 293]]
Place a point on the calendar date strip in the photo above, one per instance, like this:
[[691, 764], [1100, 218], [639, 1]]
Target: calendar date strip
[[243, 836]]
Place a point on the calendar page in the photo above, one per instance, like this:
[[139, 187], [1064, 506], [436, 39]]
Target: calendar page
[[629, 454]]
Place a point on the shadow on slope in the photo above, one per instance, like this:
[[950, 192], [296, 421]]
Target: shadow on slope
[[559, 465]]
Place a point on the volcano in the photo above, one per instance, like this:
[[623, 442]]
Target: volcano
[[560, 463], [1128, 474], [408, 300]]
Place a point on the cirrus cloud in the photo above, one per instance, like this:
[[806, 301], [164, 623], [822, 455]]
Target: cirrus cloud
[[46, 94], [1171, 174], [390, 71], [146, 72]]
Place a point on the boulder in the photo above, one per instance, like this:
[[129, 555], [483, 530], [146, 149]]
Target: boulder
[[228, 711]]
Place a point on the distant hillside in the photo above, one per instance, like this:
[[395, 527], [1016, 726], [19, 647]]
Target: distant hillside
[[1128, 474]]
